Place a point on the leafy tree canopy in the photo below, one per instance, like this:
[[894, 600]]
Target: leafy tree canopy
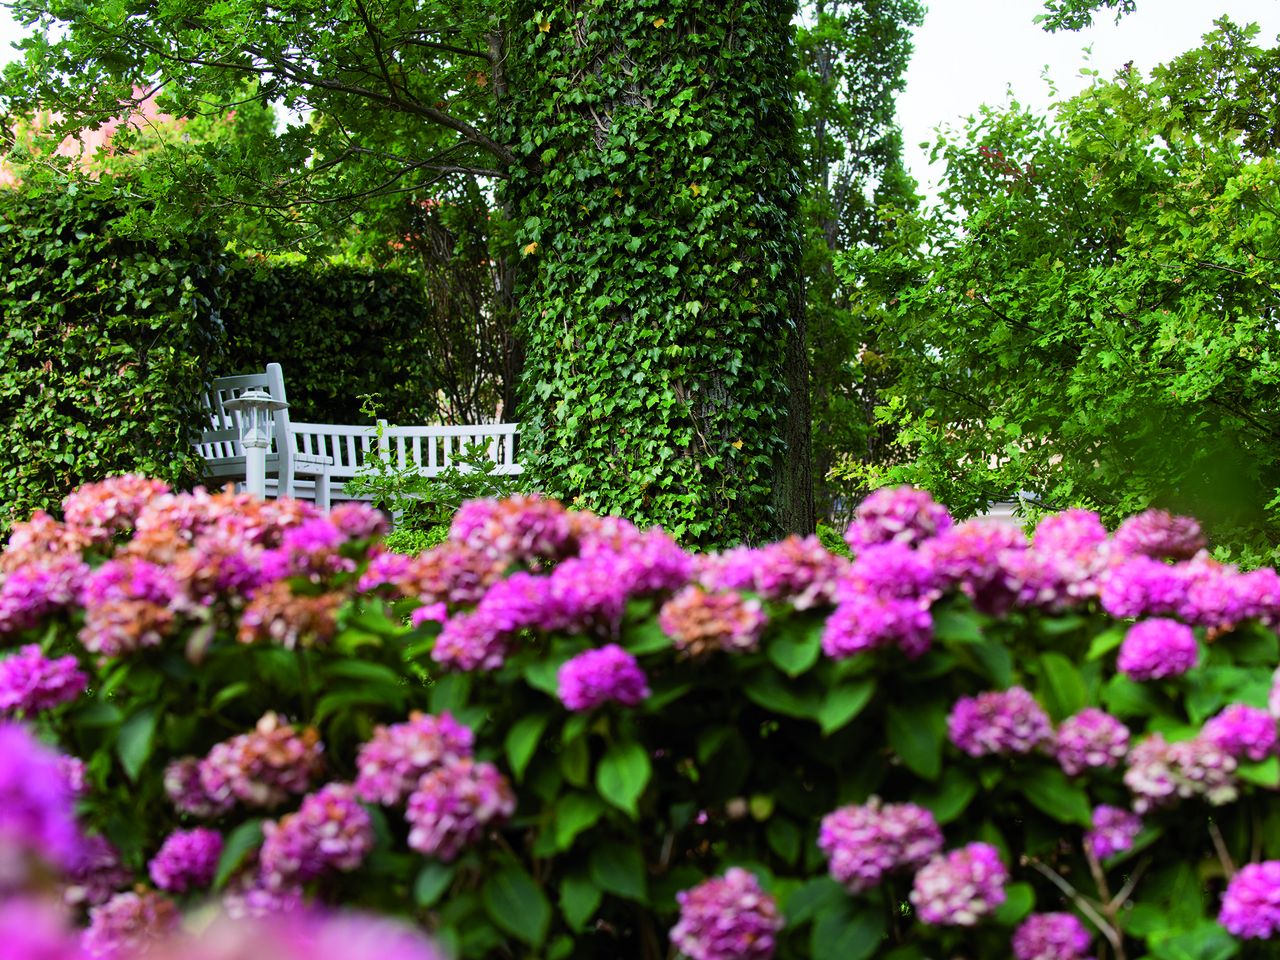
[[1090, 315]]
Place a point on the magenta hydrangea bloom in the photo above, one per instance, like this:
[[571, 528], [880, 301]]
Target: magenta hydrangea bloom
[[471, 641], [36, 804], [308, 550], [599, 676], [727, 918], [35, 590], [977, 556], [392, 762], [1153, 649], [358, 521], [862, 623], [1160, 772], [330, 831], [105, 508], [1114, 830], [33, 929], [889, 571], [961, 887], [1251, 903], [264, 767], [128, 924], [183, 787], [249, 898], [31, 682], [454, 805], [97, 874], [1159, 535], [999, 722], [1242, 731], [800, 571], [897, 514], [863, 843], [1051, 936], [1090, 739], [187, 859], [520, 529], [1142, 587]]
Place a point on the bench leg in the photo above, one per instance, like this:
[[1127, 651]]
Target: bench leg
[[322, 490]]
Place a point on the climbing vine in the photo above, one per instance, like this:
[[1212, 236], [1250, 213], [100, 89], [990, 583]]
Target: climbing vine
[[654, 200]]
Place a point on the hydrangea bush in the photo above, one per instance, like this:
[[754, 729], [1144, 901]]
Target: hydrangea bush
[[559, 736]]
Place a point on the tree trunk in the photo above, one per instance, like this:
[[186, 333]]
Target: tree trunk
[[655, 201]]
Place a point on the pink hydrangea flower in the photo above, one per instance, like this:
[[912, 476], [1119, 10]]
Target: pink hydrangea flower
[[863, 843], [1159, 535], [1242, 731], [999, 722], [392, 762], [454, 805], [599, 676], [330, 831], [32, 682], [1160, 772], [36, 805], [897, 514], [862, 623], [1251, 904], [1114, 830], [183, 787], [264, 767], [727, 918], [1090, 739], [97, 874], [1051, 936], [1153, 649], [961, 887], [700, 622], [128, 924], [187, 859]]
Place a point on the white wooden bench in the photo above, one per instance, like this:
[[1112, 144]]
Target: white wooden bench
[[316, 459], [224, 456], [426, 450]]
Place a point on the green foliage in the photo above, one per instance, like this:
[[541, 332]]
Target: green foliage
[[852, 58], [109, 332], [424, 506], [734, 759], [1078, 14], [833, 540], [1092, 316], [654, 205], [341, 332]]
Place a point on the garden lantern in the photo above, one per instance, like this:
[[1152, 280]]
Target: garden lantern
[[256, 410]]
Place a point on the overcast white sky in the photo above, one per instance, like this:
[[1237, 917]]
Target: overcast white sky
[[971, 52]]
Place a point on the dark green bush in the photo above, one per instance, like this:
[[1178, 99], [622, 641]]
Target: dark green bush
[[109, 329]]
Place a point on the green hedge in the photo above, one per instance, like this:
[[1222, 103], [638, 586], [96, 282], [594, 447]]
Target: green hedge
[[339, 332], [108, 330]]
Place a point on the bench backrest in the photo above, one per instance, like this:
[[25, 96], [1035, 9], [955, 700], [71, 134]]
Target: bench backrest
[[221, 439], [429, 449]]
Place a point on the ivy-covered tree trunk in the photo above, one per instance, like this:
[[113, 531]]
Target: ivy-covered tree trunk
[[655, 200]]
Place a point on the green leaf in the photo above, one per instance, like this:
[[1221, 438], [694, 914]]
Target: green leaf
[[770, 691], [948, 798], [812, 898], [619, 869], [575, 812], [242, 841], [450, 693], [1206, 941], [795, 651], [1264, 774], [517, 904], [1105, 642], [784, 838], [954, 626], [1050, 791], [1062, 688], [135, 740], [522, 740], [843, 704], [623, 774], [916, 734], [433, 880], [848, 931], [1018, 902], [579, 900]]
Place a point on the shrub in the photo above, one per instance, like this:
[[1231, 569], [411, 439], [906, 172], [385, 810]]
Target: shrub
[[109, 331], [925, 751]]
